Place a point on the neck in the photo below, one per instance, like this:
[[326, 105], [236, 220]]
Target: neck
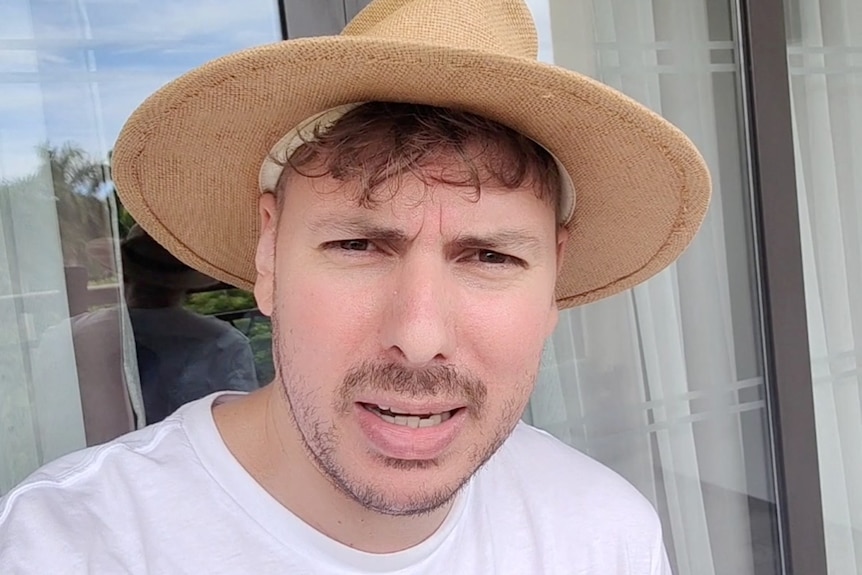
[[259, 433]]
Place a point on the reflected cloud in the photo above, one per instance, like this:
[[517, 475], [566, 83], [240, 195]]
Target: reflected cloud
[[17, 61], [75, 70], [16, 22], [233, 25]]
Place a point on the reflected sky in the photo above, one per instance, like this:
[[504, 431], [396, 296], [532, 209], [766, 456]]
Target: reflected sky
[[73, 70]]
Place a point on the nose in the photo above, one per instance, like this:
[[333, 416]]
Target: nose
[[418, 328]]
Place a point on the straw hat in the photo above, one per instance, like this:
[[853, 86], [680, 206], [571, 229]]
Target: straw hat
[[190, 160]]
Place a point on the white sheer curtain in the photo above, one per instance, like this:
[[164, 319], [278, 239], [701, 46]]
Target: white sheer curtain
[[663, 383], [54, 212], [54, 369], [38, 424], [825, 53]]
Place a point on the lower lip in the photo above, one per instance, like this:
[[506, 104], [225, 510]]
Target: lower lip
[[404, 442]]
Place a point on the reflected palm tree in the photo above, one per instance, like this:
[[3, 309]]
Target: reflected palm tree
[[81, 187], [77, 186]]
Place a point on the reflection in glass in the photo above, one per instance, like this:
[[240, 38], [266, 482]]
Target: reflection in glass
[[70, 74], [182, 355]]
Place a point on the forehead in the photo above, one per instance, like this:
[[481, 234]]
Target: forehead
[[372, 149], [470, 172], [439, 188]]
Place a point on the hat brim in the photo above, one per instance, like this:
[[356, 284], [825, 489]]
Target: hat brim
[[186, 163]]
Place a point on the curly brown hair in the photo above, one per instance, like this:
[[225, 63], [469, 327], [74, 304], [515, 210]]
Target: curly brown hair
[[375, 144]]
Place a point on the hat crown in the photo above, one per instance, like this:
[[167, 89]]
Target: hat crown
[[497, 26]]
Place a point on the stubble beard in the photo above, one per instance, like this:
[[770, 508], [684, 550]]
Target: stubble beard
[[321, 439]]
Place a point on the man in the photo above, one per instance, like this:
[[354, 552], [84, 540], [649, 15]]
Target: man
[[182, 355], [437, 197]]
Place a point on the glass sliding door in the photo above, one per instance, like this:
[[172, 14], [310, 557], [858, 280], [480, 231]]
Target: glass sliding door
[[70, 74], [824, 45]]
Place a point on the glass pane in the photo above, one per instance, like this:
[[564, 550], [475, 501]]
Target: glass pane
[[70, 74], [665, 383], [825, 64]]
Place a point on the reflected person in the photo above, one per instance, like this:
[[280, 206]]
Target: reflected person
[[182, 355]]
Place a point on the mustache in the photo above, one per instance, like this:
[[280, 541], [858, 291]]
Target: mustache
[[435, 381]]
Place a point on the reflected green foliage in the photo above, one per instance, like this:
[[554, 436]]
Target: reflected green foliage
[[259, 332], [125, 220], [223, 303], [220, 301]]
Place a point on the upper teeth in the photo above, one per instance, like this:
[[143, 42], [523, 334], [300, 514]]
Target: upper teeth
[[413, 421], [393, 410]]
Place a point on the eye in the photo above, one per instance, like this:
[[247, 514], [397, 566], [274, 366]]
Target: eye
[[354, 245], [354, 248], [496, 259], [489, 257]]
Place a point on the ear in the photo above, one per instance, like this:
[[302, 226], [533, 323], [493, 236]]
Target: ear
[[264, 259], [562, 242], [554, 312]]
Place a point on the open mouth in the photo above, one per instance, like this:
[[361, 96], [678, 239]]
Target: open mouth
[[413, 420]]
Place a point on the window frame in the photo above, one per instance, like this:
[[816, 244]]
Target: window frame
[[784, 337]]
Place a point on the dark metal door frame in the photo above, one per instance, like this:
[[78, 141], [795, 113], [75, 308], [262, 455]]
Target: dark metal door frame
[[782, 295]]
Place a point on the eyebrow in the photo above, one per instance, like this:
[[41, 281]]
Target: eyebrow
[[501, 240], [357, 227]]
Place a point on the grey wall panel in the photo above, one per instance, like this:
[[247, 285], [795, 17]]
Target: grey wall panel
[[352, 7], [314, 17]]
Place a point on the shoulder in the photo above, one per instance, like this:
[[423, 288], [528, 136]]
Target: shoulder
[[551, 505], [55, 511], [561, 481], [89, 471]]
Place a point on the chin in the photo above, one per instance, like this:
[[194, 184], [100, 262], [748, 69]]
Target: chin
[[401, 487], [404, 502]]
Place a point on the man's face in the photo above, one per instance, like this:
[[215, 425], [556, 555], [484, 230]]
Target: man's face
[[407, 335]]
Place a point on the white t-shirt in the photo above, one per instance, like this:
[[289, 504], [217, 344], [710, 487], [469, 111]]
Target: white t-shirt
[[171, 498]]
